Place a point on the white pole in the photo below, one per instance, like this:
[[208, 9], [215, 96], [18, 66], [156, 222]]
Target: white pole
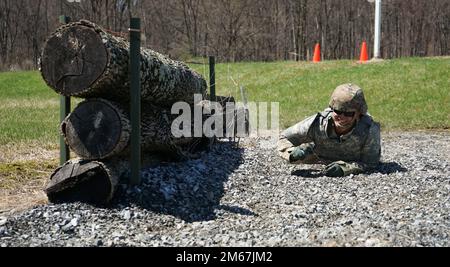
[[376, 49]]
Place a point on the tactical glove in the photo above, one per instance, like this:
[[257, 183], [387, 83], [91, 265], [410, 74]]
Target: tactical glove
[[333, 170], [300, 153]]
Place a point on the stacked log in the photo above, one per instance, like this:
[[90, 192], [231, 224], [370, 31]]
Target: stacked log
[[86, 181], [90, 181], [81, 59], [99, 128]]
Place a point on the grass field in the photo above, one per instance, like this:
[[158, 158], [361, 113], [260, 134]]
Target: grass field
[[29, 110], [402, 94]]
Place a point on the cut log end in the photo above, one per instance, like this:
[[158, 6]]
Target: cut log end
[[80, 181], [73, 59], [95, 130]]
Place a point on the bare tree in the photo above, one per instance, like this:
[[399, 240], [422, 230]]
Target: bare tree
[[236, 30]]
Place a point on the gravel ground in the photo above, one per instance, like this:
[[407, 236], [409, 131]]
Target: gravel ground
[[246, 196]]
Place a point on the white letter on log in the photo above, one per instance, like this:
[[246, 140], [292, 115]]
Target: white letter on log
[[181, 126]]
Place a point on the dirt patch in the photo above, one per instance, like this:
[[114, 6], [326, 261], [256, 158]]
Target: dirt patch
[[35, 151], [21, 184], [14, 203], [24, 171]]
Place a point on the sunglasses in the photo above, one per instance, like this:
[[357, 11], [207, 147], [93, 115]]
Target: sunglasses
[[345, 113]]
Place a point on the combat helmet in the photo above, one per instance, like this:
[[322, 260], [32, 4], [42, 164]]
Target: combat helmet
[[348, 97]]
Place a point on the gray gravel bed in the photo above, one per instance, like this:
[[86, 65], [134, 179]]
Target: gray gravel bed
[[246, 195]]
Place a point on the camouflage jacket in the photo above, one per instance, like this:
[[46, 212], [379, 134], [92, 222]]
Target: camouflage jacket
[[356, 151]]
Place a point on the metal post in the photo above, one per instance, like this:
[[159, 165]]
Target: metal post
[[212, 78], [135, 110], [377, 39], [64, 110]]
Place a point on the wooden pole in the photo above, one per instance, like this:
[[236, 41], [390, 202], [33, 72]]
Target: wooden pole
[[135, 91]]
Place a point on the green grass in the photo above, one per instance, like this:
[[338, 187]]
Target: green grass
[[29, 110], [402, 94]]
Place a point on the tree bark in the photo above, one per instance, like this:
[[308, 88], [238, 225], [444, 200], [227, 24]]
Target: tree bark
[[76, 180], [98, 129], [81, 59], [88, 181]]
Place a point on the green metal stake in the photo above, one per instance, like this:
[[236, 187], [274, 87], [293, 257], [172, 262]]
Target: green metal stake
[[135, 39], [212, 78], [64, 110], [64, 19]]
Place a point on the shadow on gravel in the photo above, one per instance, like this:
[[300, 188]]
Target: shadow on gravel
[[388, 168], [237, 210], [383, 168], [189, 190], [307, 173]]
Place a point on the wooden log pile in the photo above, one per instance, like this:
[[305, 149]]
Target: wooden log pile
[[83, 60]]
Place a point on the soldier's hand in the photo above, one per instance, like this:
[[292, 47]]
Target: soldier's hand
[[301, 152], [297, 154], [333, 170]]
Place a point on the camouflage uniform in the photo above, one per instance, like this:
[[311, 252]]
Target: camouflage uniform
[[355, 152]]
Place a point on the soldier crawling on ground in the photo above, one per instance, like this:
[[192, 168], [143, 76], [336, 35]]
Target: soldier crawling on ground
[[344, 136]]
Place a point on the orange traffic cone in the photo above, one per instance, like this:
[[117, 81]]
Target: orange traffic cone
[[316, 57], [364, 56]]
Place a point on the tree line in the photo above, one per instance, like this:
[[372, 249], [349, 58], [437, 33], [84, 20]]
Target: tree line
[[236, 30]]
